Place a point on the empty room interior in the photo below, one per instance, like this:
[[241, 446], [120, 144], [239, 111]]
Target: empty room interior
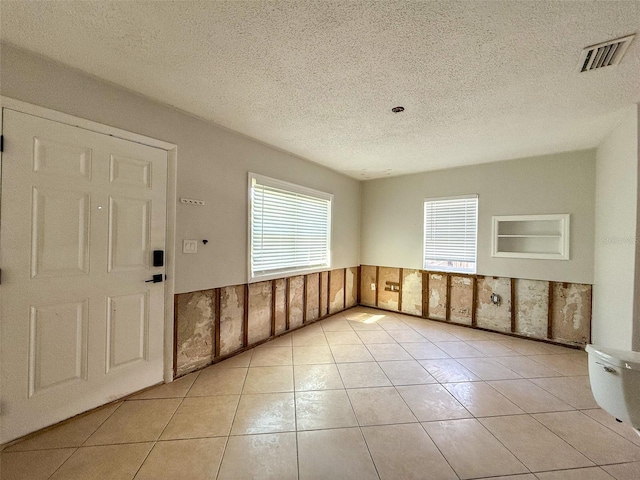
[[320, 240]]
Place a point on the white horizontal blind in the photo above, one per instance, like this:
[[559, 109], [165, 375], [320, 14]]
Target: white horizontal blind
[[450, 234], [290, 227]]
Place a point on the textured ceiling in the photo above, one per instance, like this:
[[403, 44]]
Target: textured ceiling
[[480, 80]]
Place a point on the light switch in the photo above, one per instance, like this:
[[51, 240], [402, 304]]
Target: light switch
[[189, 246]]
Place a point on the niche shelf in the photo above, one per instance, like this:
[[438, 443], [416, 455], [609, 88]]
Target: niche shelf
[[531, 236]]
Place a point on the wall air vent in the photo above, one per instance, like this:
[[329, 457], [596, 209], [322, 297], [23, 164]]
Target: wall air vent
[[604, 54]]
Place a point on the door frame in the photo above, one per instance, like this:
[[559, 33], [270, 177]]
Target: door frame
[[171, 199]]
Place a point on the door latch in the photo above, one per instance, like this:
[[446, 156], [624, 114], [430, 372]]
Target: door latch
[[157, 278]]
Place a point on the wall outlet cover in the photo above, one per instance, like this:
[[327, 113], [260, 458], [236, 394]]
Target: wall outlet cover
[[373, 286], [189, 246]]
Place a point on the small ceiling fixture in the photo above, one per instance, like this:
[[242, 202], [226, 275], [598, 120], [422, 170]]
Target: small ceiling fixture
[[397, 109], [604, 54]]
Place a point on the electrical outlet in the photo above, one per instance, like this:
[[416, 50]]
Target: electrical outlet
[[373, 286]]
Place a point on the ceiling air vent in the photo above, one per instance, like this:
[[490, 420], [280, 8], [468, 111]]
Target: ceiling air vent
[[604, 54]]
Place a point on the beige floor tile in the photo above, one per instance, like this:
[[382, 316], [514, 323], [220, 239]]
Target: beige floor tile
[[448, 370], [241, 360], [70, 434], [624, 471], [283, 341], [533, 444], [343, 338], [309, 338], [407, 336], [469, 334], [269, 380], [459, 350], [267, 357], [34, 465], [592, 473], [610, 421], [269, 456], [523, 476], [351, 353], [437, 335], [334, 454], [317, 377], [215, 380], [406, 452], [482, 400], [471, 450], [525, 367], [576, 391], [265, 413], [358, 375], [335, 325], [202, 417], [313, 355], [379, 406], [492, 348], [406, 372], [324, 409], [373, 337], [432, 402], [362, 326], [390, 324], [524, 347], [104, 462], [529, 397], [196, 459], [595, 441], [176, 389], [135, 421], [386, 352], [567, 365], [424, 351], [488, 369]]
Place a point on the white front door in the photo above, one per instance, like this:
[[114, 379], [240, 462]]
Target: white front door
[[82, 214]]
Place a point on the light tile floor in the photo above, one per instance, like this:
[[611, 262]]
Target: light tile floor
[[363, 394]]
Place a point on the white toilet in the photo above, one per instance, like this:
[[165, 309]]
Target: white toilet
[[615, 382]]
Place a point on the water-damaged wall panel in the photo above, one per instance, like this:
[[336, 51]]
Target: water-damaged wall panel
[[231, 318], [571, 313], [296, 293], [281, 321], [352, 287], [368, 294], [313, 299], [387, 299], [489, 315], [437, 296], [259, 311], [411, 291], [195, 322], [461, 300], [532, 307], [336, 291], [324, 288]]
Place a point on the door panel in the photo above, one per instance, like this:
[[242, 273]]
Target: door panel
[[81, 214]]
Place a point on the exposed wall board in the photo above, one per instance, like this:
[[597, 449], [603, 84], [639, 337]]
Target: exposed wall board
[[296, 301], [259, 312], [336, 291], [461, 300], [489, 315], [281, 324], [386, 299], [571, 313], [352, 287], [194, 317], [313, 298], [532, 307], [437, 296], [411, 291], [367, 294], [324, 307], [231, 319]]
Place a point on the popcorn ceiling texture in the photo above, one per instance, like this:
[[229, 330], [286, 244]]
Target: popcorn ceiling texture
[[480, 80]]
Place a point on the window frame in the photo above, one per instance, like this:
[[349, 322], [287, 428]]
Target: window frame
[[294, 188], [462, 271]]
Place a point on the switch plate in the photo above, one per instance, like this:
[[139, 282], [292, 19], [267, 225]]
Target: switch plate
[[189, 246]]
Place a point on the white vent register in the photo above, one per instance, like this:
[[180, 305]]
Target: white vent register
[[604, 54]]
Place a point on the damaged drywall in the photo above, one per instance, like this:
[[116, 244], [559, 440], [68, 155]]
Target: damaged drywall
[[313, 297], [336, 291], [260, 312], [388, 299], [352, 287], [324, 295], [461, 299], [571, 313], [531, 307], [368, 285], [411, 291], [281, 306], [437, 296], [493, 316], [296, 302], [231, 319], [195, 330]]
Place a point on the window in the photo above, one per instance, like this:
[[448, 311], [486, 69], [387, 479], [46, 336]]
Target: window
[[450, 234], [289, 228]]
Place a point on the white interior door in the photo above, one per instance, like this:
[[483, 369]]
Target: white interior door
[[82, 213]]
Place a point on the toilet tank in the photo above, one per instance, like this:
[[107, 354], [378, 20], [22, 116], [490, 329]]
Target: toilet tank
[[615, 382]]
